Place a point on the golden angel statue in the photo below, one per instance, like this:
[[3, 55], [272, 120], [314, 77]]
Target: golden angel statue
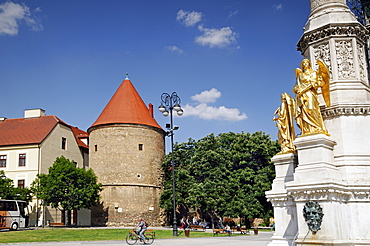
[[308, 114], [284, 116]]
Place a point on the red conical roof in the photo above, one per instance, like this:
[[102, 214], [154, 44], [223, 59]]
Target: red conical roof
[[126, 106]]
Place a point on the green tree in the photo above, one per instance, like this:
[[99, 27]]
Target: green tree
[[8, 191], [67, 186], [224, 175]]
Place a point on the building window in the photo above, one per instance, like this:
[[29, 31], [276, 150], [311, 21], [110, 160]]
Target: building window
[[21, 183], [96, 147], [140, 147], [64, 143], [2, 160], [22, 160]]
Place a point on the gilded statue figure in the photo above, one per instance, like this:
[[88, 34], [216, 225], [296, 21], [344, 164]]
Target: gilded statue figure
[[283, 117], [308, 115]]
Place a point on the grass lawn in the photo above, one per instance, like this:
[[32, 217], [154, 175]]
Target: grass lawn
[[65, 234]]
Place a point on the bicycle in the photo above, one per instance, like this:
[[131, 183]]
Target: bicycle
[[133, 237]]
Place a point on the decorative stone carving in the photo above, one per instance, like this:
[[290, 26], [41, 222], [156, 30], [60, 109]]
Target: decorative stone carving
[[324, 194], [344, 54], [281, 201], [361, 62], [361, 195], [333, 112], [312, 213], [322, 52], [351, 30]]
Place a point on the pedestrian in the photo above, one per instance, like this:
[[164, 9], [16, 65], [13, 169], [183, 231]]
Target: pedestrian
[[183, 223]]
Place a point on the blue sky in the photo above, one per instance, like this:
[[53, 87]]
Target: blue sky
[[228, 60]]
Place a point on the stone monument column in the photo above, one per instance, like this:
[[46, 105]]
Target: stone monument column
[[329, 189], [333, 35], [339, 185]]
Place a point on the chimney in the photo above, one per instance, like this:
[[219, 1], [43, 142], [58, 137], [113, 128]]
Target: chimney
[[34, 113], [151, 111]]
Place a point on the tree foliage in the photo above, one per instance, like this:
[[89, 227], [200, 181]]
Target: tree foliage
[[224, 175], [67, 186], [8, 191]]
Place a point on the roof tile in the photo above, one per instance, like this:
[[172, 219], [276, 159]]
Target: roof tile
[[23, 131], [26, 131], [126, 106]]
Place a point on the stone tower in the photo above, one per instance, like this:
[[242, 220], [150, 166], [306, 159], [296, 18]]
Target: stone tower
[[126, 152], [330, 171]]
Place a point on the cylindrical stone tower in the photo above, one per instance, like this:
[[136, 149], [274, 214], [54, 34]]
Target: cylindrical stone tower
[[126, 152]]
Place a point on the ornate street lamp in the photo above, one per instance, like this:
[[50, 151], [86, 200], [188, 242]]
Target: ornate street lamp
[[169, 104]]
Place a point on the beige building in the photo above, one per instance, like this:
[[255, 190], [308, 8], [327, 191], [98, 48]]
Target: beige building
[[126, 152], [30, 145]]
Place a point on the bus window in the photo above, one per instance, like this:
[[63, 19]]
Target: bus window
[[11, 206], [8, 206]]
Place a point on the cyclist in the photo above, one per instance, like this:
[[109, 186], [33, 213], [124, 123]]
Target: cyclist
[[141, 228]]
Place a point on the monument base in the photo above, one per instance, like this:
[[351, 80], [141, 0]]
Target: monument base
[[284, 207]]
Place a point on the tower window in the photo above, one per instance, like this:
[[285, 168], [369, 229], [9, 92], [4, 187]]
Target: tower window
[[64, 143], [141, 147], [96, 147]]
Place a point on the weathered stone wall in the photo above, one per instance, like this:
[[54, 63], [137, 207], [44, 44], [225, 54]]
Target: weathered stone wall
[[123, 205], [127, 160]]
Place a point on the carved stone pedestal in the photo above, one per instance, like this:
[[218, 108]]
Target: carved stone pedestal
[[284, 207], [316, 160], [318, 180]]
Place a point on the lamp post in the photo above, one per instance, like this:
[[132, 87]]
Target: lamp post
[[169, 104]]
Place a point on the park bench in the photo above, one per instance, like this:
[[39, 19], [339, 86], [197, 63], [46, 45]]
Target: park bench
[[54, 224], [148, 232], [197, 228], [216, 232], [240, 229]]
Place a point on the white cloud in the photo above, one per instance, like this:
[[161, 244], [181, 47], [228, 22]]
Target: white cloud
[[11, 14], [232, 13], [207, 96], [189, 18], [207, 112], [278, 6], [216, 37], [175, 49]]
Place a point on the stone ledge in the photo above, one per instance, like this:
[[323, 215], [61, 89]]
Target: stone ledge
[[330, 30], [352, 110]]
